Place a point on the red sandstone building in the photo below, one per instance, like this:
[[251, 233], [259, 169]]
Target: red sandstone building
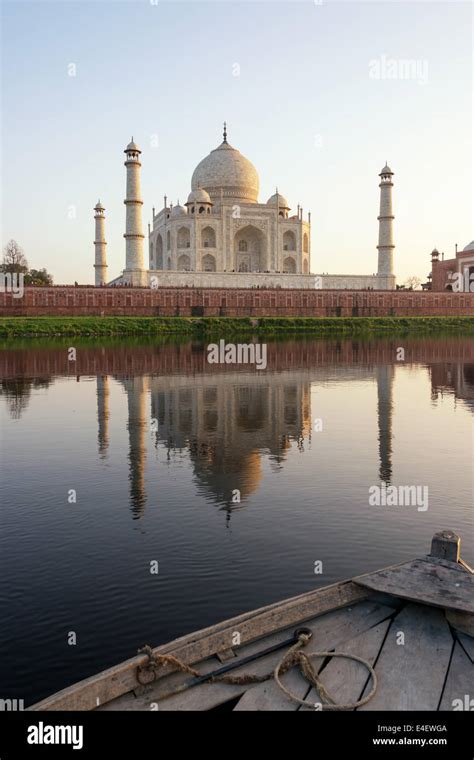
[[453, 274]]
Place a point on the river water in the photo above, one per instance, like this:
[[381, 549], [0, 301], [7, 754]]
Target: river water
[[147, 493]]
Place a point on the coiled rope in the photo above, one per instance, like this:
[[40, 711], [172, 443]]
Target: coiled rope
[[295, 656]]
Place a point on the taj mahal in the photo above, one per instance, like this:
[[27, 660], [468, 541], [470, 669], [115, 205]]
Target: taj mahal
[[223, 236]]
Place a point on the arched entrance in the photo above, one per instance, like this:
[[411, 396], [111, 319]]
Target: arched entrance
[[289, 266], [184, 263], [184, 237], [159, 252], [208, 263], [250, 250], [289, 241], [208, 237]]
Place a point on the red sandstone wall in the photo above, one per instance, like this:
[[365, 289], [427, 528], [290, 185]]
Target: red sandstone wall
[[439, 273], [89, 301]]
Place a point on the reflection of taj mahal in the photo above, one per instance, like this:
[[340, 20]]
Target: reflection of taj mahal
[[227, 428], [223, 236]]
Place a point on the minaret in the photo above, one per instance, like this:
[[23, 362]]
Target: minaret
[[436, 283], [100, 265], [135, 272], [386, 244]]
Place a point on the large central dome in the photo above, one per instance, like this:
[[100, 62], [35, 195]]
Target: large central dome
[[226, 170]]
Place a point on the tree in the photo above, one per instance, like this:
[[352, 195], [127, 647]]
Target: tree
[[14, 262], [14, 259], [38, 277], [412, 283]]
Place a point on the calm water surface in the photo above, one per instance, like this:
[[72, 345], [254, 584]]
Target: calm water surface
[[156, 443]]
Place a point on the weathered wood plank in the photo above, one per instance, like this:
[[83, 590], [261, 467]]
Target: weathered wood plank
[[329, 632], [390, 601], [424, 581], [467, 643], [411, 674], [121, 704], [345, 679], [225, 655], [461, 621], [112, 683], [448, 564], [459, 687]]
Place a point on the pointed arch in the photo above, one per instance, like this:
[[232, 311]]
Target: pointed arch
[[250, 250], [159, 252], [208, 237], [208, 263], [184, 263], [289, 241], [184, 237]]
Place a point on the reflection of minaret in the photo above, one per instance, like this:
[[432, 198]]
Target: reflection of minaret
[[103, 414], [137, 392], [385, 374]]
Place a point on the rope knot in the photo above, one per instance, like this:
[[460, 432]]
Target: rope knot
[[304, 638], [155, 661]]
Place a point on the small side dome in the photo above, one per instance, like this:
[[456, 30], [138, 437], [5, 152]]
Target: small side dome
[[178, 210], [199, 196], [278, 199], [99, 207], [386, 170], [469, 246]]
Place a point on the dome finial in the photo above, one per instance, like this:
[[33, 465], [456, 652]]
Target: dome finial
[[225, 131]]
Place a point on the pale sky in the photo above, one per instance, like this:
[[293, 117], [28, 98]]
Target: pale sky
[[297, 84]]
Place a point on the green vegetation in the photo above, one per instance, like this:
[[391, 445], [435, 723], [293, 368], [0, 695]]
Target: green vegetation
[[24, 327]]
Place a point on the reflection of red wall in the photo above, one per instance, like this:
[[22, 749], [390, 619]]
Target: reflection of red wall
[[191, 359], [84, 301]]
